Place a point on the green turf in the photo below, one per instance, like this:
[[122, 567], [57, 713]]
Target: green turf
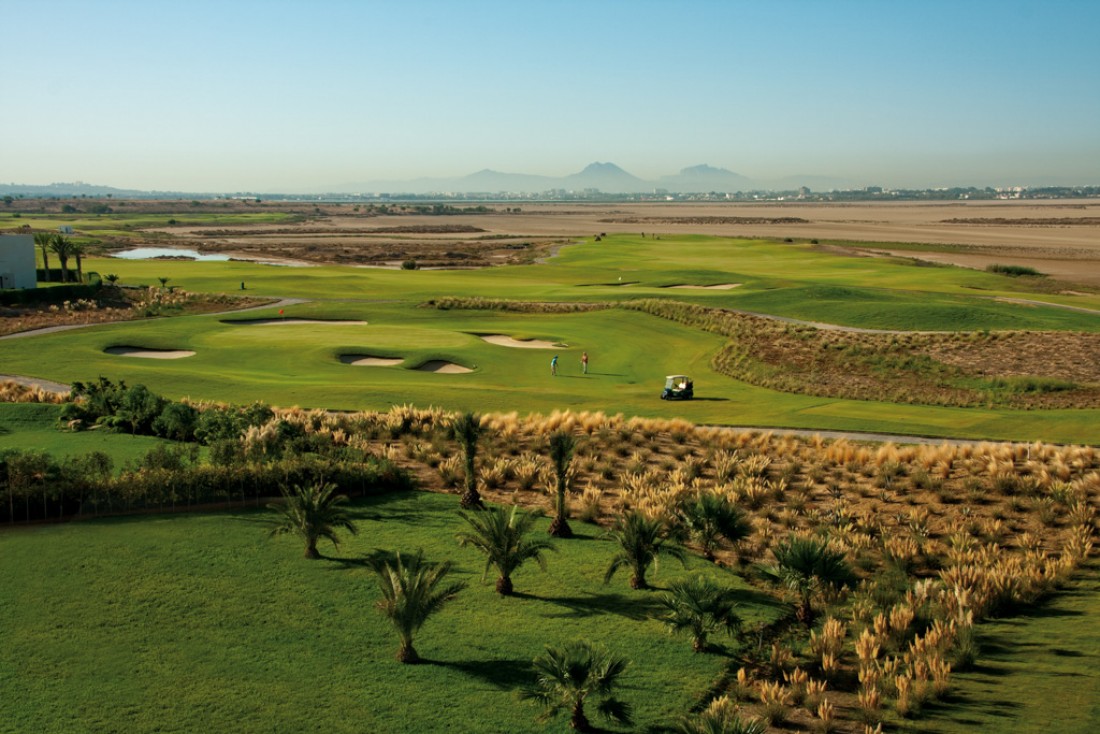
[[199, 622], [29, 426], [631, 352], [1037, 672]]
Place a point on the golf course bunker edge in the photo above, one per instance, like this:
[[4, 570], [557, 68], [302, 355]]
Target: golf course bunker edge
[[503, 340], [126, 351], [370, 360], [442, 367], [293, 322]]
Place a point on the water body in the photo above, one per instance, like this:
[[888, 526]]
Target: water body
[[150, 253]]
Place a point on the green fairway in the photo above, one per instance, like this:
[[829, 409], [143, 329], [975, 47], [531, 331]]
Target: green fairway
[[186, 623], [300, 364]]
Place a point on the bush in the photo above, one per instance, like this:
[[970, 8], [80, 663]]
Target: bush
[[409, 265], [1013, 271]]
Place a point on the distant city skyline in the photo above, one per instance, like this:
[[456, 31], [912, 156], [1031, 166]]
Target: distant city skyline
[[310, 97]]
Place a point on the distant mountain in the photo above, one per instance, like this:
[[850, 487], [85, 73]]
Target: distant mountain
[[606, 177], [703, 178], [77, 188]]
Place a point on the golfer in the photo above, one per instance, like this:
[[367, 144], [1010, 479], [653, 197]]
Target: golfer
[[554, 365], [584, 362]]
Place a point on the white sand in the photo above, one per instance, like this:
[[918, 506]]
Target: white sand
[[443, 367], [506, 341], [365, 360], [148, 353], [719, 287], [288, 322]]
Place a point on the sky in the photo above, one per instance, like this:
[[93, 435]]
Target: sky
[[279, 96]]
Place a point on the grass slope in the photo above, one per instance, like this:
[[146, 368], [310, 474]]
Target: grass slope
[[186, 623]]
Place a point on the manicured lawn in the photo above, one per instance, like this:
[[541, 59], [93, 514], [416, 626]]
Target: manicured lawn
[[29, 426], [1037, 672], [200, 622]]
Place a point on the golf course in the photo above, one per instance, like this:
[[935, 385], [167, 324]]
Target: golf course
[[582, 299]]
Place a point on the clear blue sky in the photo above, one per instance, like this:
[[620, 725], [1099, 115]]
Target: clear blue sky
[[298, 96]]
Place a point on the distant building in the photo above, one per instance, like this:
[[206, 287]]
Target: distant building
[[17, 264], [65, 229]]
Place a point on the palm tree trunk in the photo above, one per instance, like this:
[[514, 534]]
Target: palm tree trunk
[[637, 581], [504, 586], [559, 528], [311, 549], [578, 720], [64, 269], [79, 270], [45, 264], [407, 654]]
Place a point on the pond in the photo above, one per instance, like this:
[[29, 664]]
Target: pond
[[151, 253]]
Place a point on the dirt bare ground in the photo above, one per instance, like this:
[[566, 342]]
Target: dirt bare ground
[[1058, 237]]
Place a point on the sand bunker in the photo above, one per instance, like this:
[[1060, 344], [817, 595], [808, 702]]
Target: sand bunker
[[366, 360], [148, 353], [441, 366], [506, 341], [719, 287], [285, 322]]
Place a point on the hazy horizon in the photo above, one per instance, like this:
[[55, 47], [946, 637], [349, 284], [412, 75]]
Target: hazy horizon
[[295, 97]]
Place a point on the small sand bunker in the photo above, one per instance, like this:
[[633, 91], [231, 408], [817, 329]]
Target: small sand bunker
[[149, 353], [719, 287], [291, 322], [506, 341], [367, 360], [442, 366]]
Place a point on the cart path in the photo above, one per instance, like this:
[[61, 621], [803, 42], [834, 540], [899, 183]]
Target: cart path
[[282, 303]]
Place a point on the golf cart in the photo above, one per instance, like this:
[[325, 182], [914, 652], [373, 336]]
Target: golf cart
[[678, 387]]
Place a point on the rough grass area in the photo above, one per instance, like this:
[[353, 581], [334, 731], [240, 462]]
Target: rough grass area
[[189, 623]]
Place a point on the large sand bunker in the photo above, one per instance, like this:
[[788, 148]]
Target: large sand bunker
[[149, 353], [367, 360], [287, 322], [719, 287], [506, 341], [441, 366]]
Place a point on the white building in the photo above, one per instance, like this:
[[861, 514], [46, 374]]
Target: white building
[[17, 263]]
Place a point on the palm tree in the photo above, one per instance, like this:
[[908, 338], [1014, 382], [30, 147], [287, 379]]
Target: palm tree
[[562, 445], [566, 676], [641, 540], [499, 534], [76, 249], [700, 607], [412, 592], [111, 278], [721, 717], [467, 428], [43, 239], [709, 517], [312, 512], [806, 565], [63, 248]]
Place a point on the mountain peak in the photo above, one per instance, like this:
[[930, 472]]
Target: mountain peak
[[598, 167]]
